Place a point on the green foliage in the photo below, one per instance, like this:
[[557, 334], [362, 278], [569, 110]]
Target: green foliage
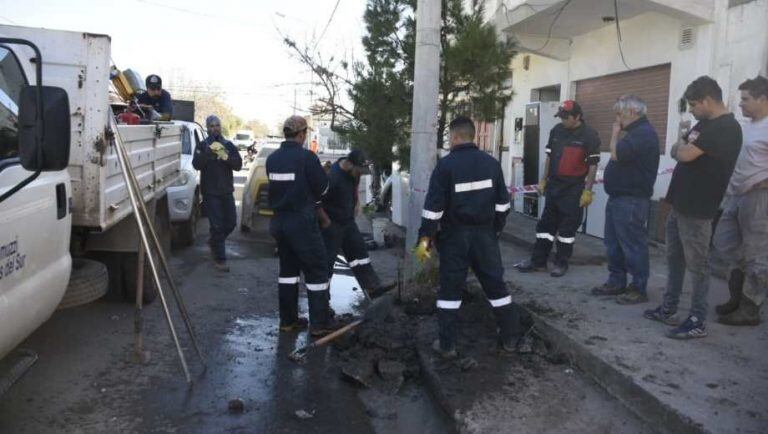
[[475, 69]]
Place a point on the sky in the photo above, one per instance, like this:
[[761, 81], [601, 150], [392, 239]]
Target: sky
[[234, 45]]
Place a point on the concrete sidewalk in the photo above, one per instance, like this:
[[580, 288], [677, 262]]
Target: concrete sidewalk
[[521, 231], [715, 384]]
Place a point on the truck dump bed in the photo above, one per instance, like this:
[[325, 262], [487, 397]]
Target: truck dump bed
[[80, 64]]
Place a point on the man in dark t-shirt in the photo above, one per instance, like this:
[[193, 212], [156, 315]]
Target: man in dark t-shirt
[[706, 157]]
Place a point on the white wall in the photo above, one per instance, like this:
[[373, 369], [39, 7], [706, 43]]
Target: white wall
[[731, 49]]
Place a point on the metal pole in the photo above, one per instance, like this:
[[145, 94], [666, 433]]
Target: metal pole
[[138, 320], [424, 122], [161, 255], [135, 199]]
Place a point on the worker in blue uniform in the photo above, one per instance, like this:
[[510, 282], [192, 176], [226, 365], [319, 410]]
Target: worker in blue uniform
[[297, 184], [217, 158], [340, 232], [156, 99], [573, 152], [465, 209]]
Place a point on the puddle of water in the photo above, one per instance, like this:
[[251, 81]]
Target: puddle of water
[[346, 295]]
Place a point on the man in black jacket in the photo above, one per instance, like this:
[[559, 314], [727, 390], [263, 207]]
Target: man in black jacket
[[340, 232], [216, 158], [469, 201]]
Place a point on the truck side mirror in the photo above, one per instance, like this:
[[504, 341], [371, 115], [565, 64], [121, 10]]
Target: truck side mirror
[[44, 143]]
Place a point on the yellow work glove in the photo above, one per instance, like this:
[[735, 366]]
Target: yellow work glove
[[542, 186], [423, 249], [219, 150], [586, 198]]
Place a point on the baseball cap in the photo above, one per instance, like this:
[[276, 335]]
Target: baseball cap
[[568, 107], [358, 158], [154, 82], [294, 125]]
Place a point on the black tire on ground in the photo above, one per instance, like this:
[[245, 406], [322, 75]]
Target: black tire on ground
[[88, 282], [129, 264], [186, 231]]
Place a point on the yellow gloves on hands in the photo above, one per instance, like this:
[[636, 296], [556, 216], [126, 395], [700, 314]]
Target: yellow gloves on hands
[[542, 186], [586, 198], [220, 151], [423, 249]]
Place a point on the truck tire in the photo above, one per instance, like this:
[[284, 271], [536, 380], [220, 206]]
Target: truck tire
[[186, 231], [88, 282]]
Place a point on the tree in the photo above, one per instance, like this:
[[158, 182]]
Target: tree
[[259, 128], [382, 92], [475, 67]]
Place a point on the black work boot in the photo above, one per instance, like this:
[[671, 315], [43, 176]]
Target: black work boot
[[528, 266], [747, 314], [735, 287], [447, 321], [559, 270], [507, 323]]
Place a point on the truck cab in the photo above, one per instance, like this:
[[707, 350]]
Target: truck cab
[[34, 267]]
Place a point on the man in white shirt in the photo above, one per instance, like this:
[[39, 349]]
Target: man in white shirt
[[741, 236]]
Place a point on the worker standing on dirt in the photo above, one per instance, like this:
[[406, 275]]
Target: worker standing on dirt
[[297, 184], [340, 232], [216, 158], [469, 201], [573, 152]]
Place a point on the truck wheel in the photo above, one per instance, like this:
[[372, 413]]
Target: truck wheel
[[186, 231], [149, 292], [89, 281]]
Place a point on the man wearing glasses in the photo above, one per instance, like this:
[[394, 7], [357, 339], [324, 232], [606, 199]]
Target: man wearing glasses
[[573, 152]]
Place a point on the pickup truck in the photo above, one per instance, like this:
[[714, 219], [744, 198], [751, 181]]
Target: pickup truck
[[67, 231]]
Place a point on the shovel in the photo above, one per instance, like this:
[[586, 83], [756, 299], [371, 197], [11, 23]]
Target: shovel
[[377, 311]]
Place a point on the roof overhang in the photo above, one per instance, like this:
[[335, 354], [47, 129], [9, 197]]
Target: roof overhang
[[531, 22]]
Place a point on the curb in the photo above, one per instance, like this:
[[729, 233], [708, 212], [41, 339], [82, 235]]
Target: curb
[[621, 386], [435, 388]]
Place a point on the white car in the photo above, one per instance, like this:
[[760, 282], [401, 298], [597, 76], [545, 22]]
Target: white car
[[184, 194], [243, 139]]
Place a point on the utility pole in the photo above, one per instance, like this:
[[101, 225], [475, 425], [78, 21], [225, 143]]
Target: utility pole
[[424, 121]]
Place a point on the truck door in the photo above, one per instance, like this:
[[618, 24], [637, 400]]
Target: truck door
[[35, 225]]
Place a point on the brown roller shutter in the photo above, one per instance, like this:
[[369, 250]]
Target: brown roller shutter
[[597, 96]]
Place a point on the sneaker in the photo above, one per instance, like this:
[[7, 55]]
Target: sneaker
[[691, 328], [559, 270], [528, 266], [608, 289], [661, 315], [632, 296], [300, 324], [445, 354], [221, 266]]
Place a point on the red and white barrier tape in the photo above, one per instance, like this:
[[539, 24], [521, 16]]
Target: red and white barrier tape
[[534, 188]]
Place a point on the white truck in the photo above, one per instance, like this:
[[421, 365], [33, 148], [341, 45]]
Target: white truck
[[62, 194]]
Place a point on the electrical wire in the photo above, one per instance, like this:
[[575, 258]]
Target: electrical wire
[[327, 24], [552, 26], [618, 33]]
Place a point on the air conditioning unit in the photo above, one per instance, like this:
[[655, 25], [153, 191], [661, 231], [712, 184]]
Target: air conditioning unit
[[687, 37]]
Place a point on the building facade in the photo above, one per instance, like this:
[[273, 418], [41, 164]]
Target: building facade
[[572, 49]]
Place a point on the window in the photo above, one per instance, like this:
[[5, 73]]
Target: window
[[242, 137], [12, 80], [186, 140]]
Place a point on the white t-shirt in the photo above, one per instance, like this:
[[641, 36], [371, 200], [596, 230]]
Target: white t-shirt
[[752, 165]]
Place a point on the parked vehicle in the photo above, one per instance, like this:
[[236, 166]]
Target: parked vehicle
[[243, 139], [184, 194], [62, 194]]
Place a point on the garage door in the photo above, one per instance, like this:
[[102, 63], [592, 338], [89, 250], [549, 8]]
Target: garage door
[[597, 96]]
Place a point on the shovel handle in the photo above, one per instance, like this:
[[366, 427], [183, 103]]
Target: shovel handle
[[331, 336]]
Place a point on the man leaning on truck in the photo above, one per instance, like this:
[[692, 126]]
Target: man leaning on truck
[[216, 158]]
